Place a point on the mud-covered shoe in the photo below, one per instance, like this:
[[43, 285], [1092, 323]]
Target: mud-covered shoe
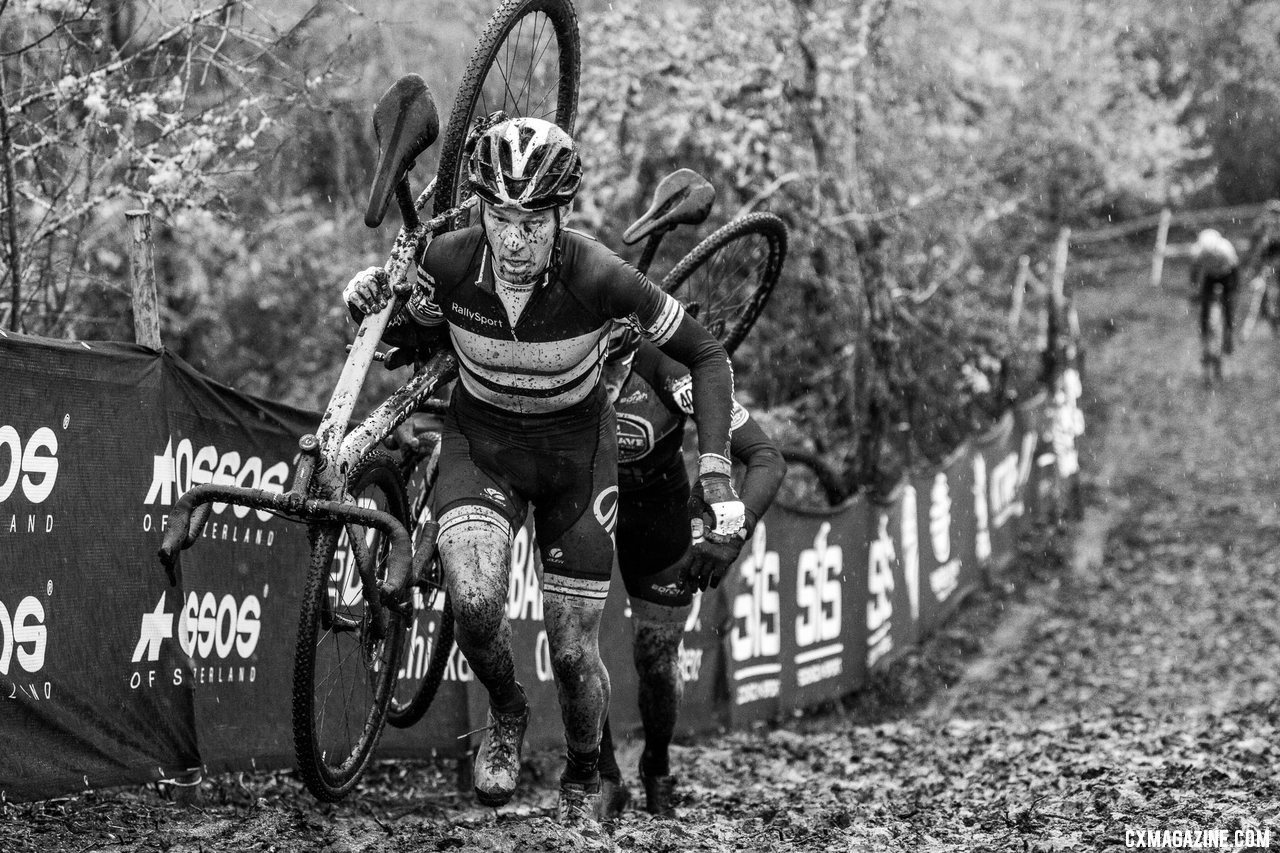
[[615, 796], [659, 794], [579, 804], [498, 757]]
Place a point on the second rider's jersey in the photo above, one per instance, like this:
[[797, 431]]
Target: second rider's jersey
[[652, 408], [1213, 257], [551, 357]]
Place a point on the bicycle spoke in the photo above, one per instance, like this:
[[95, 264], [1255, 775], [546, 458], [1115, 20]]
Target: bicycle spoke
[[513, 56], [506, 82], [537, 60], [333, 669]]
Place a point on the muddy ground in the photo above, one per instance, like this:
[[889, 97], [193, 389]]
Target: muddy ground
[[1115, 677]]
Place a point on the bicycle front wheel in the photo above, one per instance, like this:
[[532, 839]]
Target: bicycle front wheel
[[527, 63], [348, 651], [728, 277]]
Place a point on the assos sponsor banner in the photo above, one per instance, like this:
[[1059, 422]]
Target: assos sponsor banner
[[184, 464], [28, 474], [218, 635], [24, 637]]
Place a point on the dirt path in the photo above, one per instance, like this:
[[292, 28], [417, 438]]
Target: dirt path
[[1135, 692]]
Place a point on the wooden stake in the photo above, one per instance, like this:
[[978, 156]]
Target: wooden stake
[[1019, 293], [1060, 268], [146, 312], [1162, 241]]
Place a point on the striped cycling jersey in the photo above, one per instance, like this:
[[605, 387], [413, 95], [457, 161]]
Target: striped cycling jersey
[[552, 356]]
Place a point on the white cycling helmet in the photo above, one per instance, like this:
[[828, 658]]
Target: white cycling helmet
[[1211, 242], [524, 164]]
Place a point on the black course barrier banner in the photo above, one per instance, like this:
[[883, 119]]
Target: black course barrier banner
[[79, 428], [109, 675]]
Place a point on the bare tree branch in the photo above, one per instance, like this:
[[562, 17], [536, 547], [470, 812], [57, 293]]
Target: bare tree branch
[[117, 65]]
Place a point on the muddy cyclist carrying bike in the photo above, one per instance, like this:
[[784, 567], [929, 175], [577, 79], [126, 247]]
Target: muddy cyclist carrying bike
[[527, 306]]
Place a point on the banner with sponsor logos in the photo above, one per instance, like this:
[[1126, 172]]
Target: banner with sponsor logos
[[78, 430], [109, 675]]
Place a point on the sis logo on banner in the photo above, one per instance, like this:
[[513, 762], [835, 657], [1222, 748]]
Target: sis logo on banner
[[880, 559], [944, 579], [820, 597], [756, 638]]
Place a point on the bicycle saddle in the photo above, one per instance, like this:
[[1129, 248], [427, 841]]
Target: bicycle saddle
[[405, 122], [682, 198]]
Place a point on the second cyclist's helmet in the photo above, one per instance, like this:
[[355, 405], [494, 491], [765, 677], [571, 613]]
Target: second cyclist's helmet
[[624, 340], [524, 164]]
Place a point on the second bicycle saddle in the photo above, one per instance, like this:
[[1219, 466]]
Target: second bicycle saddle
[[682, 198]]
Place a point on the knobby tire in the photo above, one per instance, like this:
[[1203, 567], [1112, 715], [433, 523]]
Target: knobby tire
[[513, 16], [726, 279], [330, 778]]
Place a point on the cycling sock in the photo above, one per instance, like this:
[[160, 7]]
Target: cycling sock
[[509, 698], [581, 766], [655, 761], [609, 768]]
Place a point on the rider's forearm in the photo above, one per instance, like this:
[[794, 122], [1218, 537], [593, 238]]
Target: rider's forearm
[[695, 348], [403, 331], [765, 468]]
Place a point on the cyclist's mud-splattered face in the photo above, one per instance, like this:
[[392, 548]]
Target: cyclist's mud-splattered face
[[521, 243]]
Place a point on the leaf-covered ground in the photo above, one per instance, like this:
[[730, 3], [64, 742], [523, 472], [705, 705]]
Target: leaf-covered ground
[[1071, 701]]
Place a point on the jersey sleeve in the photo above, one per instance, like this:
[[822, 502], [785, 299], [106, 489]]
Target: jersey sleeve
[[747, 441], [625, 294], [765, 466], [424, 303]]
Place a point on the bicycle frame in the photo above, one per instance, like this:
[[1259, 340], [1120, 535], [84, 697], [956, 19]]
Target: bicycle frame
[[318, 494]]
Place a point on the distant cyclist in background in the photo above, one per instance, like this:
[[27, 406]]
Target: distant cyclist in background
[[652, 396], [1215, 267]]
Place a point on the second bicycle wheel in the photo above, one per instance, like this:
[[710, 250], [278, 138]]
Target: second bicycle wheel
[[727, 278], [429, 636], [348, 652], [527, 63]]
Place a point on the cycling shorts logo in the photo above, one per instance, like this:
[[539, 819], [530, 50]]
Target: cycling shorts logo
[[495, 496], [606, 508], [663, 593], [555, 555]]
